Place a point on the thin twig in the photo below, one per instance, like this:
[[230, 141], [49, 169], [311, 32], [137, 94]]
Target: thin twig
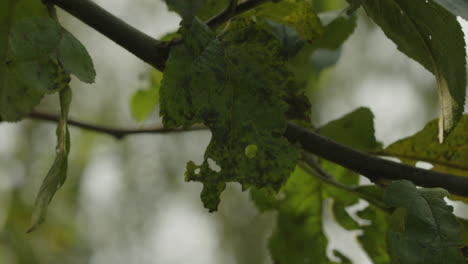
[[369, 166], [117, 133]]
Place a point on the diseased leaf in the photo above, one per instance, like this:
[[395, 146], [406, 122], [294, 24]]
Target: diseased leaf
[[144, 101], [428, 231], [235, 85], [450, 157], [432, 36], [456, 7]]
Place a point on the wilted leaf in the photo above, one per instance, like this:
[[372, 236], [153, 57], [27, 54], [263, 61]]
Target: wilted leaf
[[53, 181], [58, 172], [432, 36]]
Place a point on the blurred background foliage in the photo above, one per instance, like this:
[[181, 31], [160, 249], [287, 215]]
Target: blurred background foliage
[[126, 201]]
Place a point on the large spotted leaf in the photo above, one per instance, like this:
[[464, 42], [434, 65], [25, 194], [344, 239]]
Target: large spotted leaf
[[235, 85]]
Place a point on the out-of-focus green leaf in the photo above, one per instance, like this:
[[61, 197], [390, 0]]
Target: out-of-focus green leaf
[[338, 28], [374, 236], [297, 14], [299, 234], [234, 84], [144, 101], [373, 194], [451, 157], [75, 58], [355, 130], [299, 237], [432, 36], [204, 9], [34, 38], [16, 99], [431, 233], [456, 7], [325, 51], [33, 59]]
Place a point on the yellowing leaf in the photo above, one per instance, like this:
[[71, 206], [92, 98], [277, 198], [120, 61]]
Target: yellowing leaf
[[450, 157]]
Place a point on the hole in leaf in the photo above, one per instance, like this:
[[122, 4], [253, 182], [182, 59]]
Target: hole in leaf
[[197, 170], [213, 165], [251, 151]]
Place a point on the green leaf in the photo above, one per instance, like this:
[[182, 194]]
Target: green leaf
[[355, 130], [34, 38], [299, 237], [326, 50], [430, 232], [16, 99], [432, 36], [456, 7], [374, 236], [33, 56], [449, 157], [337, 29], [144, 101], [235, 85], [297, 14], [75, 58], [204, 9]]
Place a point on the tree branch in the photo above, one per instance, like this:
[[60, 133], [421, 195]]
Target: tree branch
[[111, 131], [146, 48], [373, 167], [369, 166]]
